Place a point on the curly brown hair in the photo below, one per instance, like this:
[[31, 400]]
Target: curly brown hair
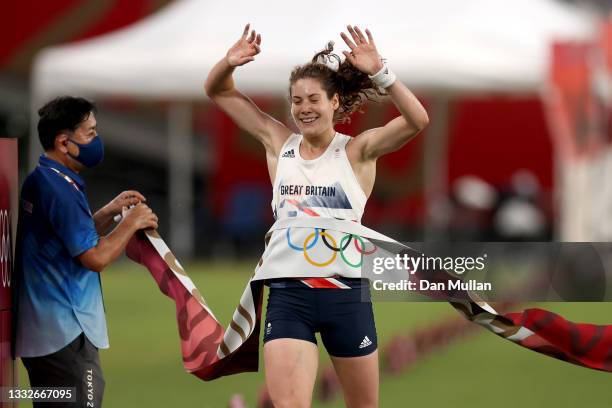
[[353, 87]]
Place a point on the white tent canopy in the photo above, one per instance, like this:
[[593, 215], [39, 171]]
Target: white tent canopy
[[468, 45]]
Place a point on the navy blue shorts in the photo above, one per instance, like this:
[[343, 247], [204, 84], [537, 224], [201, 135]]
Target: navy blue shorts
[[344, 319]]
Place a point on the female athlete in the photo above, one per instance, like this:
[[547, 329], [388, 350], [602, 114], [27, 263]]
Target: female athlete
[[320, 172]]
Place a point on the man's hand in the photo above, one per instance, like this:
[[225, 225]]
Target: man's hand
[[245, 49], [140, 217], [105, 216], [109, 247], [125, 199], [363, 54]]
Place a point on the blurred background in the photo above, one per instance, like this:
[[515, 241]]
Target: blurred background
[[519, 148]]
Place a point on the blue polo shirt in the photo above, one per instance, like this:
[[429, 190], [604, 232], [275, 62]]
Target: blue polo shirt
[[57, 297]]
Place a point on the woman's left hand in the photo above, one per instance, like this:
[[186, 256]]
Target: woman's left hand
[[363, 55]]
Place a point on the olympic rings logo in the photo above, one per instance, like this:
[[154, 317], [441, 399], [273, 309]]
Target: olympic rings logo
[[330, 242], [5, 248]]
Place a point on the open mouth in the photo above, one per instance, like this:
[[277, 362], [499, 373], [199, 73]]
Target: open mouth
[[308, 121]]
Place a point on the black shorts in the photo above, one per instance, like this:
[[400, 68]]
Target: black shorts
[[76, 365], [344, 319]]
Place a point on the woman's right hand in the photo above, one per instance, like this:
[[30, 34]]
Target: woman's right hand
[[245, 49]]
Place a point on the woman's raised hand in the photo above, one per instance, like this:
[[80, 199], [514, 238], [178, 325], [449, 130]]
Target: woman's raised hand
[[363, 54], [245, 48]]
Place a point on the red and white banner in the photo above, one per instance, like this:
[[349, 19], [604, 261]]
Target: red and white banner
[[210, 352]]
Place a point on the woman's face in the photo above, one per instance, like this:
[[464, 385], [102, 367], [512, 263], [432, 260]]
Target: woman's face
[[312, 110]]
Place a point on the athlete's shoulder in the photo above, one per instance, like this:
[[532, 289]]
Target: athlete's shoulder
[[343, 136], [288, 148], [342, 139]]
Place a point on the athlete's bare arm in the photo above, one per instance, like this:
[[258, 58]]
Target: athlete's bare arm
[[395, 134], [220, 88], [364, 149], [379, 141]]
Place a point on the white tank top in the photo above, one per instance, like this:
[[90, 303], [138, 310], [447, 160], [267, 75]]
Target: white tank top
[[325, 186]]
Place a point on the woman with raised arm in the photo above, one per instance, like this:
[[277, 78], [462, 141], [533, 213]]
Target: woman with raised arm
[[320, 173]]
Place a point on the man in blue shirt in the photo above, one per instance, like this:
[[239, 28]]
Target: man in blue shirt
[[61, 248]]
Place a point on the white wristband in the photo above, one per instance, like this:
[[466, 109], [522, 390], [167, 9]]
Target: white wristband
[[383, 78]]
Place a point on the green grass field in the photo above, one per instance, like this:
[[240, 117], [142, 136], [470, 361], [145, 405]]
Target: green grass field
[[143, 366]]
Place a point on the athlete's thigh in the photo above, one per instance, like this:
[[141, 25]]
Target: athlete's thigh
[[290, 346], [348, 332], [359, 379], [346, 323], [291, 370]]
